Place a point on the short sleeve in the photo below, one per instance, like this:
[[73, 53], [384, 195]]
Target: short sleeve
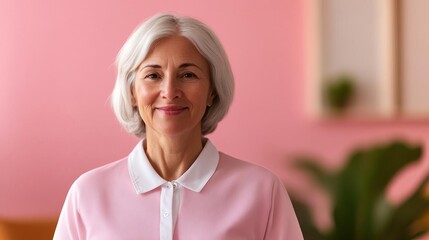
[[70, 225], [282, 223]]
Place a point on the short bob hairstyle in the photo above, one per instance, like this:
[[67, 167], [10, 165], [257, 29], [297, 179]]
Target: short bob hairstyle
[[138, 46]]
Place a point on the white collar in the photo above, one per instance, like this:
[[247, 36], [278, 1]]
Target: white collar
[[145, 178]]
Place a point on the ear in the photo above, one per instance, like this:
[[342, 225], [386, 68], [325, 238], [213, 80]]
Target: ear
[[210, 98], [133, 98]]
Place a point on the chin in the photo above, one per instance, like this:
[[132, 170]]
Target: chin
[[174, 131]]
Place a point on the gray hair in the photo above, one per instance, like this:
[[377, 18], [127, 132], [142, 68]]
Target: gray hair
[[138, 46]]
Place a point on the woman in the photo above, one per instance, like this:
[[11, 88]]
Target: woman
[[174, 85]]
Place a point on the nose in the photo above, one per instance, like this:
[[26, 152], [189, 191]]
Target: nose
[[170, 88]]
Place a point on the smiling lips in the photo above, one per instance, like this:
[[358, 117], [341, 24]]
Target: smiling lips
[[171, 110]]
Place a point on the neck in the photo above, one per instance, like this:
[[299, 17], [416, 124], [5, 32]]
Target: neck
[[171, 156]]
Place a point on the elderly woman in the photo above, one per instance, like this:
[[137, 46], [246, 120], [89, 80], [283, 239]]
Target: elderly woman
[[174, 84]]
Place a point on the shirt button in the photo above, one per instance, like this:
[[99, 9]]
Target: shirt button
[[166, 214], [175, 185]]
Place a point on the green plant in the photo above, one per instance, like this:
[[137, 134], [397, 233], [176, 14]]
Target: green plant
[[338, 93], [361, 210]]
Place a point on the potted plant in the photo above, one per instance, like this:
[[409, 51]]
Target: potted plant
[[360, 208], [338, 93]]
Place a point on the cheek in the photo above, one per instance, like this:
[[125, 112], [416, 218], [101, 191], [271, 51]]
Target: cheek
[[200, 99], [144, 96], [200, 93]]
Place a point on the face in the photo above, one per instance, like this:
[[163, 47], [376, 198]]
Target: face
[[172, 88]]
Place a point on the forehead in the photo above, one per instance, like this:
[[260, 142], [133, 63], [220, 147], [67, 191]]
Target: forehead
[[177, 47]]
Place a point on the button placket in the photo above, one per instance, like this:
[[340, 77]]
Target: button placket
[[166, 211]]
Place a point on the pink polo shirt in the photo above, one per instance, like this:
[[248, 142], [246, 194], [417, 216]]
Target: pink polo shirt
[[218, 197]]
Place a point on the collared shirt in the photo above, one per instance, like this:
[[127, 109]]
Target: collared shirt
[[218, 197]]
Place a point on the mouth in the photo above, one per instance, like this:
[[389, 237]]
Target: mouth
[[171, 110]]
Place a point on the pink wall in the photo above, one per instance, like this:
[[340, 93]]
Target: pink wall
[[56, 74]]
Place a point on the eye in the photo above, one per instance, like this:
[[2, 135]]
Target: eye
[[152, 76], [189, 75]]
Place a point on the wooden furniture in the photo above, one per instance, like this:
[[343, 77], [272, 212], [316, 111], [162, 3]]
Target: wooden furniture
[[25, 229]]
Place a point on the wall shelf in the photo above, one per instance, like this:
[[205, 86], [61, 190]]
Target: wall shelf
[[383, 45]]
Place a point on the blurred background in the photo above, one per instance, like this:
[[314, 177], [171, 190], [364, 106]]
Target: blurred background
[[57, 72]]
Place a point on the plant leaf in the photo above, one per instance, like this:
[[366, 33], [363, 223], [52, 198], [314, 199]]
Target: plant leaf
[[319, 175], [308, 227], [361, 187], [405, 222]]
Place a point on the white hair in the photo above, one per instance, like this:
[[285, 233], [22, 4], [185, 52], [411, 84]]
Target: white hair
[[138, 46]]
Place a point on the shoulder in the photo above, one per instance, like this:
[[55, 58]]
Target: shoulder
[[245, 167], [105, 175], [240, 170]]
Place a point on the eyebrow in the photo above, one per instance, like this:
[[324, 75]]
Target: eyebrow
[[183, 65], [151, 66]]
